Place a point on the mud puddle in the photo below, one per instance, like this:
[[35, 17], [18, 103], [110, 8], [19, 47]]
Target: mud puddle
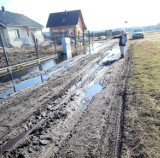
[[82, 96], [46, 69], [60, 115], [27, 78], [92, 91]]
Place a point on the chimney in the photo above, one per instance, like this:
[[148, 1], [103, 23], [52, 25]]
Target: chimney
[[65, 12], [3, 8]]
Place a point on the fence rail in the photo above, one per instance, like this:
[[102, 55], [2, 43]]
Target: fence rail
[[10, 55], [14, 59]]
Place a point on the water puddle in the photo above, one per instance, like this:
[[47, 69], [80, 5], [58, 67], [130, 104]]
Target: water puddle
[[25, 73], [6, 93], [48, 64], [48, 68], [22, 85], [92, 91]]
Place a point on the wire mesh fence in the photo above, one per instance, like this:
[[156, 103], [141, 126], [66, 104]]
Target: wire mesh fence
[[36, 49], [35, 52]]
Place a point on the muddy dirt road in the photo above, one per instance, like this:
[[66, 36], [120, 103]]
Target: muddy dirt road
[[76, 113]]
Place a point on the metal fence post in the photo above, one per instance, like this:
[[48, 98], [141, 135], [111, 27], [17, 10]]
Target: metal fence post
[[5, 55], [35, 45], [75, 44], [36, 48], [55, 47], [83, 37], [89, 42], [6, 58]]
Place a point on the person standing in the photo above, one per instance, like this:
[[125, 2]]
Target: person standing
[[122, 42]]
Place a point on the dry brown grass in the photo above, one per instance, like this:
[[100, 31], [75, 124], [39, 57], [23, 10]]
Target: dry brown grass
[[23, 54]]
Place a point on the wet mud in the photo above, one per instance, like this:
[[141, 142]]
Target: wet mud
[[75, 113]]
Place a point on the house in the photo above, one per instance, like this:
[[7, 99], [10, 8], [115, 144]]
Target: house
[[70, 23], [17, 29]]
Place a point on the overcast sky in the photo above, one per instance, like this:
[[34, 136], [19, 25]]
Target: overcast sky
[[97, 14]]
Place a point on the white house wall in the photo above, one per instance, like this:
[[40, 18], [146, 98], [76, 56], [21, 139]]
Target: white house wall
[[38, 34], [25, 35], [17, 42]]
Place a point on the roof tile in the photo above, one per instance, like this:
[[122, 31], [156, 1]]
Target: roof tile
[[15, 19]]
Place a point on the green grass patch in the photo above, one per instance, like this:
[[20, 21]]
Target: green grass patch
[[146, 65], [144, 82]]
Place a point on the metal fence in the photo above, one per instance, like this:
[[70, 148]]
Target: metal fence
[[16, 59], [10, 55]]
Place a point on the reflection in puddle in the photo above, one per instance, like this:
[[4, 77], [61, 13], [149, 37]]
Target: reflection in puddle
[[25, 73], [28, 83], [46, 66], [92, 91], [6, 93], [22, 85]]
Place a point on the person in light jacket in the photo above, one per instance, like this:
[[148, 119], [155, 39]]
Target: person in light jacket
[[122, 42]]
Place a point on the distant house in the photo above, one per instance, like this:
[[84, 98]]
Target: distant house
[[17, 29], [70, 23]]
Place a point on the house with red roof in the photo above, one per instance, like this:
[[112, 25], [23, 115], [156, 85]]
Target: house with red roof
[[70, 23]]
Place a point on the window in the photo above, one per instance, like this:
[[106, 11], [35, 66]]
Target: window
[[14, 34], [17, 34], [28, 33], [38, 33]]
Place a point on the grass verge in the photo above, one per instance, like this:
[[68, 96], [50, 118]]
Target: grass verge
[[142, 115]]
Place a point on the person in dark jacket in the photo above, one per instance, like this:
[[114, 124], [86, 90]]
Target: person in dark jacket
[[122, 42]]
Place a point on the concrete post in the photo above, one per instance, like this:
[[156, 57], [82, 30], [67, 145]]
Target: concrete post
[[66, 44]]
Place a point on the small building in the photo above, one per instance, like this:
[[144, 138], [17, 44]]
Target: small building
[[17, 29], [68, 23]]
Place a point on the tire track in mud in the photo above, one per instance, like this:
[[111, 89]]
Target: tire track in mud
[[95, 135], [127, 70], [101, 140], [40, 118]]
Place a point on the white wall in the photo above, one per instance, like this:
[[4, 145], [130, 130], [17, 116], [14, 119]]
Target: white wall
[[38, 35], [25, 36]]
